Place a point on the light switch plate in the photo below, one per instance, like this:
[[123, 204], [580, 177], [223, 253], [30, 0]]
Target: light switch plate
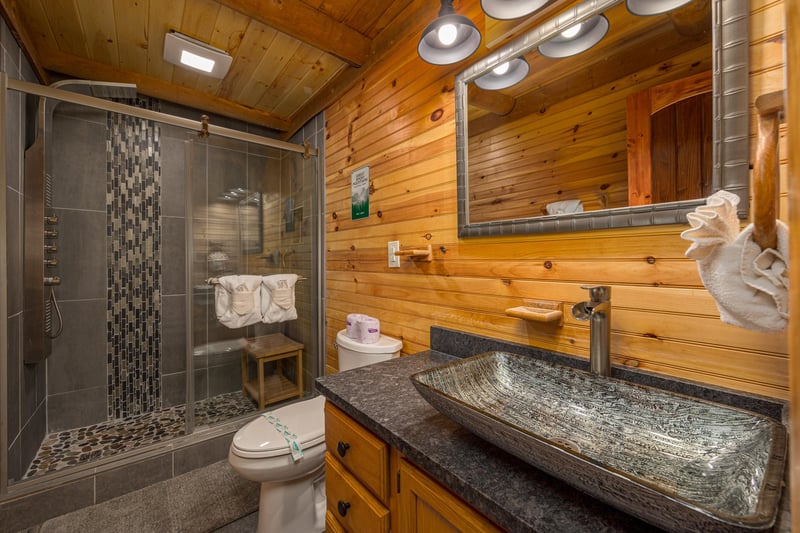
[[394, 261]]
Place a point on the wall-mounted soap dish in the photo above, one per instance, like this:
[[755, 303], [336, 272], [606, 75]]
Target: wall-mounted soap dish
[[538, 311]]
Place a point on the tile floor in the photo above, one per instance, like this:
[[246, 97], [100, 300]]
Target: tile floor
[[75, 446]]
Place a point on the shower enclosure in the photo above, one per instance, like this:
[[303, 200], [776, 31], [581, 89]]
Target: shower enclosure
[[131, 215]]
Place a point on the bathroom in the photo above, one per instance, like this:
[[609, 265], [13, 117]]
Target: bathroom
[[400, 122]]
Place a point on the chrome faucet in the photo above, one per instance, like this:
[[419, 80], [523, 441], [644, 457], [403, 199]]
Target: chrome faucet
[[598, 312]]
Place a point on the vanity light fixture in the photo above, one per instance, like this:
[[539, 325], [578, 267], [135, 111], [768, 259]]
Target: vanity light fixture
[[576, 39], [504, 75], [654, 7], [511, 9], [182, 50], [448, 39]]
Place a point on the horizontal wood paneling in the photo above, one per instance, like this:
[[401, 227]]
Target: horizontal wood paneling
[[399, 121]]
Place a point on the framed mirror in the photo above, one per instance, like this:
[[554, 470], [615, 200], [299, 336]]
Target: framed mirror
[[560, 150]]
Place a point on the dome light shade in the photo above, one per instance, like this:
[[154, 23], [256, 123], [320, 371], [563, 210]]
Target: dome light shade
[[654, 7], [590, 33], [448, 39], [511, 9], [493, 80]]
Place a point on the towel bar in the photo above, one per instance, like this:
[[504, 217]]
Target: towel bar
[[215, 281]]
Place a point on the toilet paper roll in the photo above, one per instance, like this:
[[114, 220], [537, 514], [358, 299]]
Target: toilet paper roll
[[351, 329], [369, 330]]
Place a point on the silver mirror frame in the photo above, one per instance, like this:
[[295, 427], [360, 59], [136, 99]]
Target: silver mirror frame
[[731, 123]]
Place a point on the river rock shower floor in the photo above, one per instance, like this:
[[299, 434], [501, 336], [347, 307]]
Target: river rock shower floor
[[75, 446]]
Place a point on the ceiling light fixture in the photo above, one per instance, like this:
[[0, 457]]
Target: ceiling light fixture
[[511, 9], [184, 51], [448, 39], [576, 39], [654, 7], [504, 75]]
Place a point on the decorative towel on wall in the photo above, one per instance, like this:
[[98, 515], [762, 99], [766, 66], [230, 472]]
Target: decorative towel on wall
[[277, 298], [750, 285], [237, 300]]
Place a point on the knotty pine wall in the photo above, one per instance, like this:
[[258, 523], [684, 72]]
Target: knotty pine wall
[[400, 121]]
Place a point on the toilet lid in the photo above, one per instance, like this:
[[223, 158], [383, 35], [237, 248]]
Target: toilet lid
[[259, 438]]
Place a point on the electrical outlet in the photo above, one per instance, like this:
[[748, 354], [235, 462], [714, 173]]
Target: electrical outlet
[[394, 261]]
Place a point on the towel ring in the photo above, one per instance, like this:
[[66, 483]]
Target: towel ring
[[766, 171]]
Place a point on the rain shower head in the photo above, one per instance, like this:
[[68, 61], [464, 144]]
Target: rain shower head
[[98, 89]]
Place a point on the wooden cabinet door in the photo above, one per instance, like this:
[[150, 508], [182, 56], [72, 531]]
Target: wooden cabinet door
[[424, 506]]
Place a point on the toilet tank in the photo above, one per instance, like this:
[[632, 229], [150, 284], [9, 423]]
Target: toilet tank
[[353, 354]]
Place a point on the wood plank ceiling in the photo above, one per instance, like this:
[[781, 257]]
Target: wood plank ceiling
[[291, 58]]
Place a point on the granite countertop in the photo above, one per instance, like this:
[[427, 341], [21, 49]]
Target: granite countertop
[[513, 494]]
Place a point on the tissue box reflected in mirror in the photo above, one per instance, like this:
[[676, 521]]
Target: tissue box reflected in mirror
[[678, 462]]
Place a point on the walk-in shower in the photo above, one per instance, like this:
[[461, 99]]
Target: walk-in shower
[[130, 210]]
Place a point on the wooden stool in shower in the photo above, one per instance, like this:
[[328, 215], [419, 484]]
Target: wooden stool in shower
[[266, 349]]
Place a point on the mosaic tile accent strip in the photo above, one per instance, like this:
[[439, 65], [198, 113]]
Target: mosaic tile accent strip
[[134, 264], [76, 446]]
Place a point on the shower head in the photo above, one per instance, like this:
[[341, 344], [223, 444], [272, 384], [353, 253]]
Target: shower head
[[98, 89]]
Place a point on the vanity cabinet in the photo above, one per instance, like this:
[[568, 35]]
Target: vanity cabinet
[[368, 482], [356, 475], [424, 506]]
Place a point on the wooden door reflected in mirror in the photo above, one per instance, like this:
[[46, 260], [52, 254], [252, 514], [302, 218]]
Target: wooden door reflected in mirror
[[670, 154]]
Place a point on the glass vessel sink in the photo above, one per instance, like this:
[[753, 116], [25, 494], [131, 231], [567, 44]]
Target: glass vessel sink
[[680, 463]]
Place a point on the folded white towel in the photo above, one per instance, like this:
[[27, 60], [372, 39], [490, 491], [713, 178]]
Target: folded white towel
[[237, 300], [750, 285], [277, 298], [564, 206]]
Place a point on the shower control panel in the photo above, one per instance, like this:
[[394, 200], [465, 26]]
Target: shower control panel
[[50, 248]]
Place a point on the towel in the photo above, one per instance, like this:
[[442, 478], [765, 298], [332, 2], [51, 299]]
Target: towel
[[750, 285], [237, 300], [564, 206], [277, 298]]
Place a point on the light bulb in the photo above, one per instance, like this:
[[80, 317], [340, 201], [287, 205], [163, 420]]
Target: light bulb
[[501, 69], [572, 31], [447, 34]]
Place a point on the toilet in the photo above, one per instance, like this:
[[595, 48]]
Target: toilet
[[293, 492]]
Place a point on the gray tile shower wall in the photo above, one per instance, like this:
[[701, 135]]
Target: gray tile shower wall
[[76, 366], [26, 396]]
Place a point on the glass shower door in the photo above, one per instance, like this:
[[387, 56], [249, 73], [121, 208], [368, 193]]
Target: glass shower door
[[247, 205]]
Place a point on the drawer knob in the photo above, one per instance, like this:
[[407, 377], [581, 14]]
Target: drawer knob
[[342, 448], [343, 507]]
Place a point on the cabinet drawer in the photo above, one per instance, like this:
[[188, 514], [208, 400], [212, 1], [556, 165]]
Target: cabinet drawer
[[331, 524], [362, 453], [352, 505]]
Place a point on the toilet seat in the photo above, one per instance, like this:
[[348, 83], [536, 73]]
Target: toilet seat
[[259, 439]]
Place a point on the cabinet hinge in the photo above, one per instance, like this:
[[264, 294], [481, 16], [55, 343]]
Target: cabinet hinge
[[398, 481]]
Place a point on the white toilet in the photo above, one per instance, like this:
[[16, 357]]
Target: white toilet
[[293, 492]]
